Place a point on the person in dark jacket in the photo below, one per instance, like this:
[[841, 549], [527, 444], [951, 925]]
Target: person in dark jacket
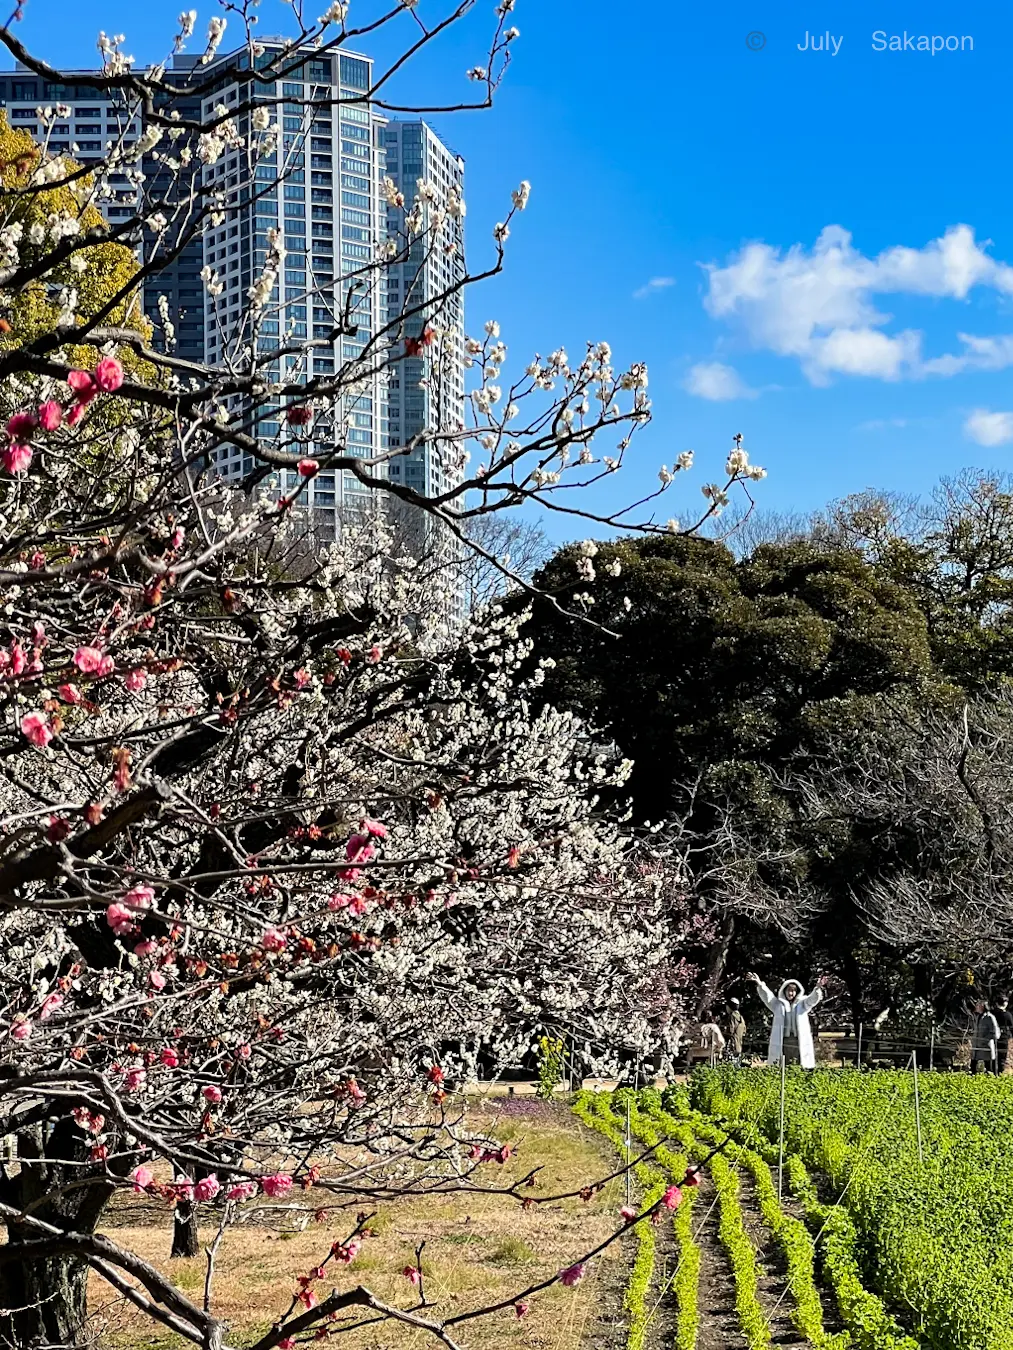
[[735, 1032]]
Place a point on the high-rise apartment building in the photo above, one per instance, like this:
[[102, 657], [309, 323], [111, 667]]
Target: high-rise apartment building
[[321, 198], [427, 391]]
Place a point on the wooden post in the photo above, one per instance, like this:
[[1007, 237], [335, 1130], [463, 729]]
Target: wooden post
[[932, 1044], [858, 1057], [918, 1109], [629, 1141], [780, 1153]]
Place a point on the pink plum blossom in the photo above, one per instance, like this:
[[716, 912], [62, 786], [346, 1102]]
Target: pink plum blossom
[[16, 458], [573, 1274], [21, 426], [88, 660], [21, 1028], [207, 1188], [277, 1185], [274, 940], [50, 415], [135, 680], [120, 919], [49, 1006], [84, 388], [139, 897], [37, 728], [169, 1057], [134, 1079], [243, 1190], [109, 374], [213, 1094], [70, 693], [143, 1177]]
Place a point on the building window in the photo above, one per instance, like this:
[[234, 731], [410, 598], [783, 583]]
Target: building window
[[354, 72]]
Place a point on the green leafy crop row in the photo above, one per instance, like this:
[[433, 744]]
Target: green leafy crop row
[[932, 1234], [595, 1110]]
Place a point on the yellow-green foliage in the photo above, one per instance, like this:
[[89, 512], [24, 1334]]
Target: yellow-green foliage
[[33, 310]]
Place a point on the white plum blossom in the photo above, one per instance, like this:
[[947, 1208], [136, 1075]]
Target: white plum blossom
[[521, 195], [216, 31]]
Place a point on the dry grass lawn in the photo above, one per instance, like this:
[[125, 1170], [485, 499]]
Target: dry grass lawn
[[478, 1249]]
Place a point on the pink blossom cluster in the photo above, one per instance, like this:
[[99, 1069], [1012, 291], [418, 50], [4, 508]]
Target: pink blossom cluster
[[361, 848], [84, 385], [121, 915], [209, 1188]]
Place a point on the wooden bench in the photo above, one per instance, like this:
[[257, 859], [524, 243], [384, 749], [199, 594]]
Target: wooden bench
[[882, 1049]]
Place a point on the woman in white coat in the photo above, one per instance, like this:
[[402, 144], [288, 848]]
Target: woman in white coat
[[790, 1032]]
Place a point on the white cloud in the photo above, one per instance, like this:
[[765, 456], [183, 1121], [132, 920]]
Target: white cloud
[[988, 353], [989, 428], [883, 424], [819, 306], [655, 284], [711, 379]]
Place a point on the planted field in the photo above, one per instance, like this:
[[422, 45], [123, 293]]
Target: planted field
[[869, 1246]]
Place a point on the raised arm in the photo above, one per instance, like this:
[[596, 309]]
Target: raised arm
[[809, 1001], [765, 995]]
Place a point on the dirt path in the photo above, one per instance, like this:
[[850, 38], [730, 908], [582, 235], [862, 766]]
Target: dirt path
[[664, 1309], [719, 1319], [776, 1299]]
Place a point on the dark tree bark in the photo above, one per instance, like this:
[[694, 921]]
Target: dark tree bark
[[185, 1241], [716, 963], [43, 1300]]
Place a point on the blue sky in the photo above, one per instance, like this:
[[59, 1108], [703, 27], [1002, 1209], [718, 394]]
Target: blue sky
[[659, 147]]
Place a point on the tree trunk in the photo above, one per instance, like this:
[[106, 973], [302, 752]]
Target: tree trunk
[[185, 1241], [42, 1302], [716, 965]]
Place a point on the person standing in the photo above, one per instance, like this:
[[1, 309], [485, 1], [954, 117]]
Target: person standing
[[712, 1040], [984, 1040], [1004, 1017], [735, 1032], [790, 1033]]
